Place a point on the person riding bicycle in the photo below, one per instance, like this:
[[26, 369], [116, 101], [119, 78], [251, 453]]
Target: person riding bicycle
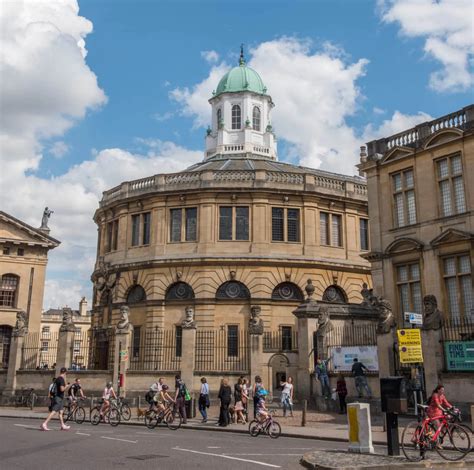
[[106, 395], [437, 405], [262, 410], [162, 398], [74, 392]]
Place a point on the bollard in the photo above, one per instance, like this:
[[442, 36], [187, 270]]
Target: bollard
[[303, 414], [360, 429]]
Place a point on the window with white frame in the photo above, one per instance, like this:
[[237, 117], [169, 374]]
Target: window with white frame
[[364, 234], [458, 285], [409, 288], [256, 121], [330, 229], [451, 186], [404, 205], [236, 117]]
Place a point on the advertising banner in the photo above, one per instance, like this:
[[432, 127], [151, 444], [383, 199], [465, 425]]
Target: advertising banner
[[343, 358], [459, 355]]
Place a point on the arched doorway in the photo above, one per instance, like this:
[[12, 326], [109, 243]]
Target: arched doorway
[[277, 372]]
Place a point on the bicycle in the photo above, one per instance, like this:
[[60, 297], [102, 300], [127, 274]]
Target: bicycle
[[112, 415], [450, 440], [75, 412], [124, 409], [268, 426], [27, 398], [169, 415]]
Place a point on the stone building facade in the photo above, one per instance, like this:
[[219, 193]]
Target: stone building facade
[[237, 232], [23, 259]]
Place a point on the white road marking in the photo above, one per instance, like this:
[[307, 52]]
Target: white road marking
[[152, 434], [253, 455], [82, 434], [117, 439], [227, 457], [25, 426], [213, 447]]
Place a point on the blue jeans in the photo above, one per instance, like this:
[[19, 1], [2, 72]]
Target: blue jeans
[[361, 384], [325, 389], [202, 408]]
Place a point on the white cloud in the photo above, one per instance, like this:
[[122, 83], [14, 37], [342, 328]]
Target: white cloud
[[447, 27], [314, 92], [210, 56], [162, 117], [59, 149]]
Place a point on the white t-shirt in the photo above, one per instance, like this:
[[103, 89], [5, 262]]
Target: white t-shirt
[[287, 388], [204, 389], [107, 393]]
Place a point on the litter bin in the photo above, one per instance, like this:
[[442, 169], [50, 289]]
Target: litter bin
[[190, 408]]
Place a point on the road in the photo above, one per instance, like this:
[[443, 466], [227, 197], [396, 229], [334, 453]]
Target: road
[[84, 447]]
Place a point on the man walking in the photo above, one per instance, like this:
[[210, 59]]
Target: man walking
[[322, 375], [360, 379], [57, 397], [180, 397]]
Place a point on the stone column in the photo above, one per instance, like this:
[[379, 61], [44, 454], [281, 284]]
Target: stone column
[[121, 359], [432, 357], [385, 344], [188, 350], [14, 363], [67, 330], [255, 328]]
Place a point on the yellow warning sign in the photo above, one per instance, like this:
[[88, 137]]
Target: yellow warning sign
[[409, 346]]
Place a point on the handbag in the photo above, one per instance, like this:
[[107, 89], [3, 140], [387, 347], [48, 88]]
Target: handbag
[[208, 402], [187, 396]]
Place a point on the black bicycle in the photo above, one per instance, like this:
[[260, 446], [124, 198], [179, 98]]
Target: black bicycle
[[75, 412], [124, 409], [26, 398]]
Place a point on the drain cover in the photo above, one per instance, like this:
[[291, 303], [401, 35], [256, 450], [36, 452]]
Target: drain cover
[[147, 457]]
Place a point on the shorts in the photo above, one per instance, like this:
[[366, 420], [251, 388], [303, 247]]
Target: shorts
[[239, 406], [56, 404]]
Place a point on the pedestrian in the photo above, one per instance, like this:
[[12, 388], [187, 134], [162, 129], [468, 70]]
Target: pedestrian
[[56, 393], [180, 397], [287, 395], [204, 401], [257, 388], [245, 397], [225, 394], [360, 379], [238, 405], [341, 391], [322, 375]]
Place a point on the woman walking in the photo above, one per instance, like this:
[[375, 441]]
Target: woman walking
[[239, 407], [225, 396], [257, 388], [287, 396], [341, 391], [204, 401], [245, 397]]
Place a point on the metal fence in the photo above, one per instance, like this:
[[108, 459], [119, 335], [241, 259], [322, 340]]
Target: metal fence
[[222, 351], [352, 335], [280, 341], [156, 349], [102, 349], [39, 351], [457, 338]]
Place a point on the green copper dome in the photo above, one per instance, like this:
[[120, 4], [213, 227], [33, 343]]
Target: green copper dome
[[241, 78]]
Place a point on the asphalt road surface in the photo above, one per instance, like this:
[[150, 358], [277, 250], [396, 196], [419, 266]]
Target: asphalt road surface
[[24, 446]]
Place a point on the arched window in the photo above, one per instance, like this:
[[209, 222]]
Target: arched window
[[256, 118], [136, 294], [236, 117], [5, 340], [233, 290], [335, 294], [219, 118], [8, 290], [179, 291], [287, 291]]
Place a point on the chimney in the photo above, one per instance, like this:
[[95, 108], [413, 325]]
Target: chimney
[[363, 153], [83, 307]]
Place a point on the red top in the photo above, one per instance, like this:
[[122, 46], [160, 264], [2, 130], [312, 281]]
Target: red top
[[341, 387], [437, 400]]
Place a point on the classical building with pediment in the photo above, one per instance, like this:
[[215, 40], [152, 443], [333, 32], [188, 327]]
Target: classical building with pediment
[[23, 259], [421, 205]]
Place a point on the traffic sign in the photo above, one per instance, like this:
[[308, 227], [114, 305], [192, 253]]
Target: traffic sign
[[416, 318], [409, 346]]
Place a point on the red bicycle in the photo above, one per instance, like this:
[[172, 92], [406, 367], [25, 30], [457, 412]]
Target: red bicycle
[[449, 439]]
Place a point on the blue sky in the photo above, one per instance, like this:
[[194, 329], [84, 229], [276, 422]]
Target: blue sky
[[75, 124]]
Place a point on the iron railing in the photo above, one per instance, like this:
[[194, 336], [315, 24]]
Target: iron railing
[[280, 341], [39, 353]]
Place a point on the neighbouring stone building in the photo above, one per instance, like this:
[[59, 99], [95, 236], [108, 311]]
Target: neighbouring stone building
[[421, 205], [232, 241], [23, 259]]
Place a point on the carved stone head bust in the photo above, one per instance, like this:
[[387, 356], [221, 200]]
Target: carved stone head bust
[[432, 316], [123, 324]]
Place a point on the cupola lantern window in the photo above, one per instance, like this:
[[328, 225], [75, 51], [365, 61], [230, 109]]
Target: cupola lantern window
[[236, 117], [256, 118]]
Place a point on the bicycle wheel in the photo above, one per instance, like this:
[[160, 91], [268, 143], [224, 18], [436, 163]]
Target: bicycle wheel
[[173, 420], [455, 444], [30, 401], [67, 414], [79, 415], [274, 430], [126, 412], [150, 419], [95, 416], [254, 428], [413, 441], [113, 417]]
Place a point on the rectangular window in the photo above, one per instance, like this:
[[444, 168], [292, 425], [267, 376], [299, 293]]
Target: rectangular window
[[175, 225], [404, 204], [364, 234], [44, 346], [409, 288], [112, 235], [77, 346], [277, 224], [191, 224], [179, 341], [330, 227], [286, 338], [451, 186], [336, 225], [135, 229], [136, 341], [6, 250], [324, 228], [232, 340], [293, 221], [233, 223], [225, 223], [146, 219], [241, 223], [458, 286]]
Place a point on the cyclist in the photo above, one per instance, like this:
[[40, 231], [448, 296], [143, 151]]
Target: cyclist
[[106, 395], [74, 392], [437, 405], [262, 410], [162, 398]]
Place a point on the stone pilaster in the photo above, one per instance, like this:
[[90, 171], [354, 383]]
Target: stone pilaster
[[385, 344], [432, 357], [14, 364], [121, 359], [188, 354], [256, 354], [65, 349]]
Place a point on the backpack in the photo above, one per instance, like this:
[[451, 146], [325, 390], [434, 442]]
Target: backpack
[[53, 389], [182, 391], [258, 390], [149, 396]]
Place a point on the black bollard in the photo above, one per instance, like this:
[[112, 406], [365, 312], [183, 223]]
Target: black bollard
[[392, 433]]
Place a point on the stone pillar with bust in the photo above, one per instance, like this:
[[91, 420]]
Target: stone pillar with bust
[[67, 331], [255, 328], [386, 329], [431, 342], [188, 350], [16, 346], [123, 337]]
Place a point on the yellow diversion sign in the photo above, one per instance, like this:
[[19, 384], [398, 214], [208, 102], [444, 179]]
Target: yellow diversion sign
[[409, 346]]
